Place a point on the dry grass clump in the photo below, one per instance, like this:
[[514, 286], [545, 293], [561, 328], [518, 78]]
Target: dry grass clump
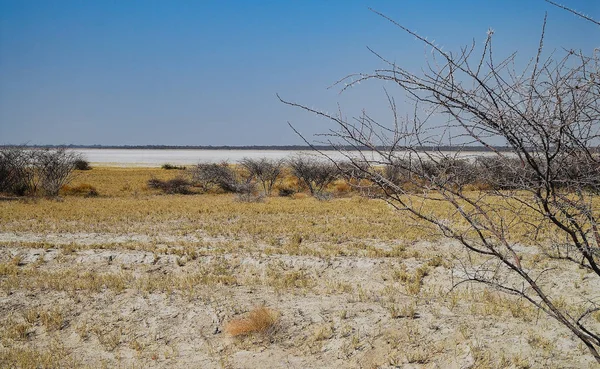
[[261, 320], [53, 319], [82, 189], [413, 282]]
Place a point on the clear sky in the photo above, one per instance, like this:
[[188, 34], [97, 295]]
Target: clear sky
[[206, 72]]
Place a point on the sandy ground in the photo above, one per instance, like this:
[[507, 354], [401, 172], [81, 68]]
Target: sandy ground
[[86, 301]]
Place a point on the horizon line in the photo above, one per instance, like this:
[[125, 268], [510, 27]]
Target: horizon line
[[261, 147]]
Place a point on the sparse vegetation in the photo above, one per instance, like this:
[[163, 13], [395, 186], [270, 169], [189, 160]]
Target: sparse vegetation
[[337, 276], [418, 258]]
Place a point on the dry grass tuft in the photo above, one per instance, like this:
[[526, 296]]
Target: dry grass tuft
[[299, 196], [82, 189], [342, 187], [260, 320]]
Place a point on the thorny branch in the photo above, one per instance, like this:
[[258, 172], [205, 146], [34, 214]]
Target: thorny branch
[[546, 185]]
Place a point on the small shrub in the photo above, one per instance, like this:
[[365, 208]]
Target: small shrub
[[222, 176], [82, 164], [265, 171], [286, 192], [155, 183], [247, 192], [176, 185], [261, 320], [92, 193], [169, 166], [314, 174]]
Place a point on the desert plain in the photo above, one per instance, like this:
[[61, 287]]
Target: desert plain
[[134, 278]]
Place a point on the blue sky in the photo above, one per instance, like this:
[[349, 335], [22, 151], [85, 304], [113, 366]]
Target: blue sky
[[206, 72]]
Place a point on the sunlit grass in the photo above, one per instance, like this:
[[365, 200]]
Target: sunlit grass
[[126, 205], [121, 182]]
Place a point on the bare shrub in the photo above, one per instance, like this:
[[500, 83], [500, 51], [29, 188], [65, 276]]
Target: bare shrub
[[546, 183], [247, 192], [178, 185], [502, 173], [155, 183], [211, 176], [495, 172], [54, 168], [25, 171], [266, 171], [261, 320], [315, 174], [16, 173], [393, 172]]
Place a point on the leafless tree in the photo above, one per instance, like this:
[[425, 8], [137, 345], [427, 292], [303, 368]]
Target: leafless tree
[[315, 174], [548, 115], [266, 171]]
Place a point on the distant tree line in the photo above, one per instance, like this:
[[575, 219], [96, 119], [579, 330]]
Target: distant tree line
[[263, 147]]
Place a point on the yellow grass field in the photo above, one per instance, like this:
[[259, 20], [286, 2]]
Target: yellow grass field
[[135, 278]]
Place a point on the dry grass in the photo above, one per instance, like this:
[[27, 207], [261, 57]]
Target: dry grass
[[179, 225], [261, 320], [29, 358], [120, 182], [217, 215], [127, 203], [80, 189]]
